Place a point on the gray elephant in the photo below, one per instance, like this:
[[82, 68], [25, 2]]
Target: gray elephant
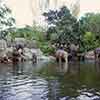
[[97, 53], [61, 55]]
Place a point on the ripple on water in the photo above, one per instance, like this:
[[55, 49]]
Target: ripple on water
[[20, 84], [22, 88]]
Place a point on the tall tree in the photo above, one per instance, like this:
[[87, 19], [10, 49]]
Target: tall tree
[[90, 23], [7, 22], [62, 23]]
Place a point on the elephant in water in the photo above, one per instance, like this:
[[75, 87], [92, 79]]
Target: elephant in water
[[61, 55], [97, 53]]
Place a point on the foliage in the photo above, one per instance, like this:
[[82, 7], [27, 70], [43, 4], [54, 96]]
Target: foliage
[[91, 23], [89, 40], [29, 33], [6, 20], [63, 28], [34, 33], [62, 23], [46, 48], [90, 31]]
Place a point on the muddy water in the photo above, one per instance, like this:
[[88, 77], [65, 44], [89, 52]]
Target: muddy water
[[50, 81]]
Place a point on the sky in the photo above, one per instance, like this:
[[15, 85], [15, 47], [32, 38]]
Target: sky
[[89, 6], [21, 11], [23, 14]]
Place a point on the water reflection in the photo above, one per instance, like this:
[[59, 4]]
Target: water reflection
[[74, 68], [53, 90], [97, 67], [50, 81], [62, 67], [72, 80], [18, 83], [18, 68]]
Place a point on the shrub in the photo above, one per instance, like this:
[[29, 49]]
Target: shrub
[[46, 48]]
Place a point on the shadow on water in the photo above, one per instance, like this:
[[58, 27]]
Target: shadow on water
[[18, 68], [50, 81]]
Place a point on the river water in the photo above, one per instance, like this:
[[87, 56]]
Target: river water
[[50, 81]]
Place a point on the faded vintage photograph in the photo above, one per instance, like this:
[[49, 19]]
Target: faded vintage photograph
[[49, 49]]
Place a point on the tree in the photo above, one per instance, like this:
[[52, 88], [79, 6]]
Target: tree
[[7, 22], [90, 23], [62, 23]]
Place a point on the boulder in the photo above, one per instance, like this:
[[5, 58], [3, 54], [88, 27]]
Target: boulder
[[52, 58], [31, 44], [20, 41], [40, 55], [38, 52], [9, 52], [3, 46], [9, 43], [27, 53]]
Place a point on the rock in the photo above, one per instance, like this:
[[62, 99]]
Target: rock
[[65, 98], [38, 52], [20, 41], [9, 42], [34, 51], [40, 55], [44, 58], [26, 50], [9, 52], [52, 58], [84, 97], [2, 54], [31, 44], [3, 46], [27, 53]]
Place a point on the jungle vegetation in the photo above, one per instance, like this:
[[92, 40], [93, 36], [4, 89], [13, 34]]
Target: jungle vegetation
[[63, 27]]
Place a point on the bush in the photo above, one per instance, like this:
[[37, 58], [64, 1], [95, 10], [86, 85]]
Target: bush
[[90, 41], [34, 33], [46, 48]]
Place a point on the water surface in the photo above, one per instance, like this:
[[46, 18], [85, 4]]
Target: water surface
[[50, 81]]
